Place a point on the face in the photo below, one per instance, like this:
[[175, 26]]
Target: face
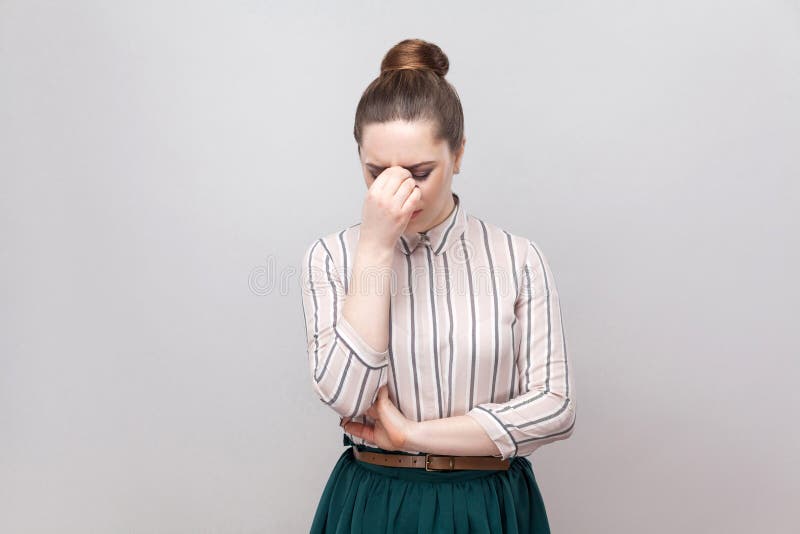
[[411, 145]]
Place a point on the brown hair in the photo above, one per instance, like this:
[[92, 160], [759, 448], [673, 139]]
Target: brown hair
[[411, 86]]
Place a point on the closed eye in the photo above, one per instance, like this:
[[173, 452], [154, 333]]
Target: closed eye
[[420, 176]]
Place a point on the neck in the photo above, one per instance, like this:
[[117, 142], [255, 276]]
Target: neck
[[448, 209]]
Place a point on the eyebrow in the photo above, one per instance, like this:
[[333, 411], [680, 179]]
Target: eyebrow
[[410, 167]]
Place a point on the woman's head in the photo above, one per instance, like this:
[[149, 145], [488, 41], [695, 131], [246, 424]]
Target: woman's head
[[411, 115]]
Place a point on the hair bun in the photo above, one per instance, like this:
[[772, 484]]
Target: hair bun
[[415, 54]]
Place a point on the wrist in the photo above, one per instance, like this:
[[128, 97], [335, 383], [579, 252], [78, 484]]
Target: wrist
[[375, 241], [415, 436], [375, 252]]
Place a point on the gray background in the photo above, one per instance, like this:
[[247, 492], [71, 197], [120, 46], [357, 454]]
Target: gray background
[[164, 165]]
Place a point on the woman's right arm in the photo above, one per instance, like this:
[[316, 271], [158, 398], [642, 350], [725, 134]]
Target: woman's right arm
[[348, 333], [347, 367]]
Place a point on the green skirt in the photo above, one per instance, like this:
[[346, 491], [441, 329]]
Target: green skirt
[[360, 497]]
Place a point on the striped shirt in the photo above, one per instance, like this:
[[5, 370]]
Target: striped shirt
[[475, 329]]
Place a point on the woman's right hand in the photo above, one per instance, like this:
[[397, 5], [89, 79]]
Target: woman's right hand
[[389, 203]]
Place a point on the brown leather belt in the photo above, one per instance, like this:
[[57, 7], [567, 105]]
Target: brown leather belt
[[433, 462]]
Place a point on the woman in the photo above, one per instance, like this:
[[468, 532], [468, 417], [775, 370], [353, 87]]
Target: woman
[[436, 336]]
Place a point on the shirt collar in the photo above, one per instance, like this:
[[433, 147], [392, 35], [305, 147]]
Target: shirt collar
[[440, 236]]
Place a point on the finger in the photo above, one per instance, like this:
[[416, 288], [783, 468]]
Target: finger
[[412, 201], [400, 197], [378, 183], [361, 430], [395, 177]]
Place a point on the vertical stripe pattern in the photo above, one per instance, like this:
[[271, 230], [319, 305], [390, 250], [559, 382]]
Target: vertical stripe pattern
[[475, 329]]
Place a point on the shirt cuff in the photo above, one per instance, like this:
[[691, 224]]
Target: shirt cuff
[[350, 337], [495, 430]]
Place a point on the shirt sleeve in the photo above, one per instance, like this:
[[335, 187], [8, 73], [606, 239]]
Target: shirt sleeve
[[544, 410], [346, 372]]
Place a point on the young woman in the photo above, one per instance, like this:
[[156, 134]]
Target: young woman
[[436, 336]]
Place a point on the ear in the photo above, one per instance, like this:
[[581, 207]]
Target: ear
[[459, 155]]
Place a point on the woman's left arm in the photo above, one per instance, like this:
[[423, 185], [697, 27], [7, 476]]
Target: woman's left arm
[[544, 411]]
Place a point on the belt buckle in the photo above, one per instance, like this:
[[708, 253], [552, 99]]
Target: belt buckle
[[428, 462]]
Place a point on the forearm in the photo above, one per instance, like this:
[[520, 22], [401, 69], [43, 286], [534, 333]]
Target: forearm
[[460, 435], [366, 305]]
